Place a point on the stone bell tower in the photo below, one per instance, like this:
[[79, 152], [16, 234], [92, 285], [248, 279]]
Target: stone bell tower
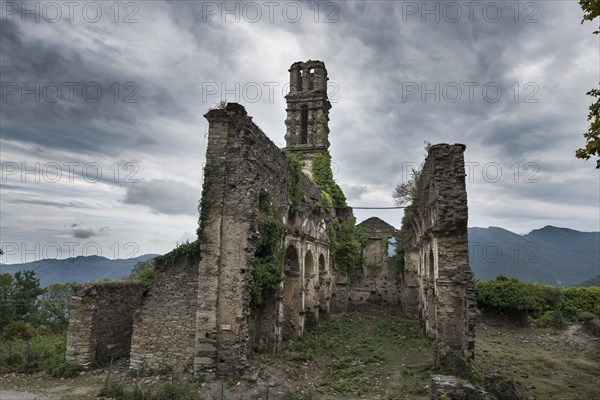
[[307, 122]]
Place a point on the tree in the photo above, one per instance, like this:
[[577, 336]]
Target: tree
[[405, 192], [144, 272], [591, 10], [7, 305], [26, 290], [54, 306]]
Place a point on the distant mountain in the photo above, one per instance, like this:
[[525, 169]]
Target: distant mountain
[[78, 269], [552, 256]]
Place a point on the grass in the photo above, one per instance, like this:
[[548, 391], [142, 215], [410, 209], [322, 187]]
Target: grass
[[373, 351], [541, 361], [41, 353]]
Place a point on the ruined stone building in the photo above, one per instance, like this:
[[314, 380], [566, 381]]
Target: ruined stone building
[[267, 265]]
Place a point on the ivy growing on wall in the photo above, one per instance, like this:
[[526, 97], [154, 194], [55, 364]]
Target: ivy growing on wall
[[323, 177], [347, 244], [204, 204], [296, 183], [269, 259]]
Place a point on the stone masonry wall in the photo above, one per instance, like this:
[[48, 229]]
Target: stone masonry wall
[[165, 325], [101, 321], [376, 281], [243, 169], [437, 284]]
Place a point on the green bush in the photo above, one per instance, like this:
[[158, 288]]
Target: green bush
[[65, 370], [581, 299], [20, 330], [41, 353], [548, 306], [511, 295]]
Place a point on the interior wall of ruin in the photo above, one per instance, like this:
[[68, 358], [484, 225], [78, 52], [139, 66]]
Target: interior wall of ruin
[[437, 281], [101, 321], [376, 280]]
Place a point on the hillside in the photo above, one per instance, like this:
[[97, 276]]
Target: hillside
[[595, 281], [78, 269], [550, 255]]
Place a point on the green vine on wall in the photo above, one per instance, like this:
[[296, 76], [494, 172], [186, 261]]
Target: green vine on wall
[[204, 203], [269, 259], [296, 183], [347, 244], [323, 177]]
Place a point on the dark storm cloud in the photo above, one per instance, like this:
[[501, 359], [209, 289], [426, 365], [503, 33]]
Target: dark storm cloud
[[377, 130], [164, 197]]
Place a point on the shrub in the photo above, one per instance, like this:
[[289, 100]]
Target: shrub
[[20, 330], [580, 299], [549, 306]]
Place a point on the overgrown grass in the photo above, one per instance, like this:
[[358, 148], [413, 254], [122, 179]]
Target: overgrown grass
[[41, 353], [367, 352], [176, 390]]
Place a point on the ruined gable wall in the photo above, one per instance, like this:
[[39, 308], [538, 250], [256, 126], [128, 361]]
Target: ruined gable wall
[[376, 281], [165, 326], [101, 321], [436, 251]]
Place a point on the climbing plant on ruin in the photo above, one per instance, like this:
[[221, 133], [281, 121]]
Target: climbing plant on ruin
[[323, 177], [269, 259], [204, 204], [347, 244], [296, 183]]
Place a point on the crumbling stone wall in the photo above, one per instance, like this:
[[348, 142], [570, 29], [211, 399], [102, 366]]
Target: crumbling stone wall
[[198, 314], [101, 321], [376, 281], [437, 281], [244, 169], [164, 327]]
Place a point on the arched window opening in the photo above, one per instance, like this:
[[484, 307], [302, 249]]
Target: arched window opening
[[322, 269], [304, 125], [309, 266]]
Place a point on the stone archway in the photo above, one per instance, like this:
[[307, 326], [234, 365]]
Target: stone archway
[[292, 296], [323, 289]]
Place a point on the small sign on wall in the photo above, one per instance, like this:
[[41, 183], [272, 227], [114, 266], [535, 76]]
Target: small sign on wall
[[449, 310], [226, 327]]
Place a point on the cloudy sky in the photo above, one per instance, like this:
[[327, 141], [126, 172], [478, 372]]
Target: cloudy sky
[[103, 134]]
